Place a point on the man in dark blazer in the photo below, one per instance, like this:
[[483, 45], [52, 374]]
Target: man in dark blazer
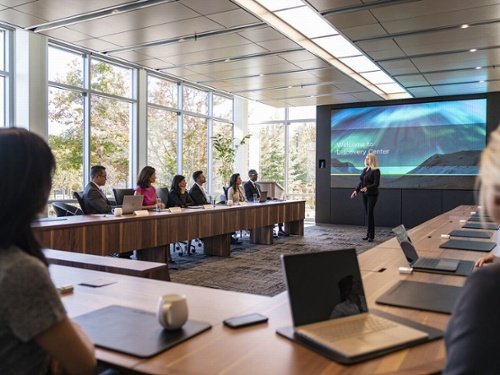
[[94, 198], [251, 186], [197, 191]]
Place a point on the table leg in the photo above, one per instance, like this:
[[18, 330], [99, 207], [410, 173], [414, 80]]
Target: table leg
[[155, 254], [262, 235], [217, 245], [295, 227]]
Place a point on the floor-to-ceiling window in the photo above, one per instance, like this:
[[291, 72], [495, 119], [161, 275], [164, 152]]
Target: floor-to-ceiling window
[[181, 121], [90, 112], [5, 77], [66, 119], [282, 148]]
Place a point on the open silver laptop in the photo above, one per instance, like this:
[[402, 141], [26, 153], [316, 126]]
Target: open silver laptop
[[132, 203], [416, 262], [329, 308]]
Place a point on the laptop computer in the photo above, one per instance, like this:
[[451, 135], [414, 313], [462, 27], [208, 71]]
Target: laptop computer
[[329, 307], [417, 263], [263, 196], [132, 203]]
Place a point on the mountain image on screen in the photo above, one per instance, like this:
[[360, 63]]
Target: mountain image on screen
[[419, 145]]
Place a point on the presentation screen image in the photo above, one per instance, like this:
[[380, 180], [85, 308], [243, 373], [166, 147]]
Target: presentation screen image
[[423, 145]]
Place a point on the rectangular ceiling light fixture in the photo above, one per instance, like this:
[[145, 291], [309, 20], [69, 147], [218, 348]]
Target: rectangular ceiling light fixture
[[301, 23]]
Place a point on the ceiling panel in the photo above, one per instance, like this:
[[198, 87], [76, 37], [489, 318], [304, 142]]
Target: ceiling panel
[[51, 10], [423, 92], [67, 34], [381, 49], [412, 80], [95, 44], [19, 19], [278, 44], [426, 8], [261, 34], [398, 67], [139, 19], [215, 54], [234, 17], [444, 19], [451, 40], [209, 7], [351, 19], [458, 60], [471, 88], [189, 46], [463, 76], [165, 31], [322, 5]]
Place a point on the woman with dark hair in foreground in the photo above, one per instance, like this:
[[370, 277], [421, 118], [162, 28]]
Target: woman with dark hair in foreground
[[34, 328]]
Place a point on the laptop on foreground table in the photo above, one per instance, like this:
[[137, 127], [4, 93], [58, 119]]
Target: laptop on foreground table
[[432, 265], [132, 203], [329, 307]]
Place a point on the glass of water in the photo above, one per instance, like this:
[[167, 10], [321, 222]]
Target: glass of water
[[158, 204]]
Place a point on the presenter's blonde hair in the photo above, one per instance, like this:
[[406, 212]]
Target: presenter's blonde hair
[[373, 163]]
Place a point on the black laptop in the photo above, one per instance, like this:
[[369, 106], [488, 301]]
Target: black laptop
[[431, 265], [329, 307]]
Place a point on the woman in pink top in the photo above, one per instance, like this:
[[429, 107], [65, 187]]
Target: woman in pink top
[[144, 187]]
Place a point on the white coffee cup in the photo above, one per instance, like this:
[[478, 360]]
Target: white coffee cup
[[172, 311], [117, 211], [229, 202]]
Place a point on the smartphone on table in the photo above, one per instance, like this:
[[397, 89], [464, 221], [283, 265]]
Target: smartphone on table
[[245, 320]]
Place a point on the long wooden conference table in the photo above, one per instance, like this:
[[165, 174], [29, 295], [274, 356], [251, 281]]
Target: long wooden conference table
[[258, 349], [152, 234]]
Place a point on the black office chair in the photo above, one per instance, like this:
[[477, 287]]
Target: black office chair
[[64, 209], [120, 193], [162, 193], [78, 195]]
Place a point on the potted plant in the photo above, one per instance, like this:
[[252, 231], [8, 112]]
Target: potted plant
[[225, 149]]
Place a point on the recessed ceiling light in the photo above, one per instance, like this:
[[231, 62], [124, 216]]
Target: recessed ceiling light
[[227, 60], [473, 50], [482, 81], [464, 26], [478, 67]]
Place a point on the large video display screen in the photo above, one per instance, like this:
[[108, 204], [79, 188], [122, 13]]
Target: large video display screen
[[433, 145]]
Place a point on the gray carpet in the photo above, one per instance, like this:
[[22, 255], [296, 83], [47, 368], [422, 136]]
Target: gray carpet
[[256, 268]]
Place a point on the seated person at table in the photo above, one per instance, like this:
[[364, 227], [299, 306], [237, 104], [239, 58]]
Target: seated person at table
[[145, 188], [178, 195], [94, 198], [197, 191], [474, 328], [252, 186], [36, 335], [235, 191]]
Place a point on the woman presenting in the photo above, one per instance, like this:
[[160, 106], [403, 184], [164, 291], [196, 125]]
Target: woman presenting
[[368, 185]]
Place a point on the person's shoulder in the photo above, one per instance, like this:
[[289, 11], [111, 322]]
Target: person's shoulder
[[487, 276], [14, 260]]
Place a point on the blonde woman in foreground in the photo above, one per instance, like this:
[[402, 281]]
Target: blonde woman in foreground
[[474, 328]]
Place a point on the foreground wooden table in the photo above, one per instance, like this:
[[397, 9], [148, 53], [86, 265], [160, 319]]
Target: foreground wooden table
[[258, 349], [152, 234]]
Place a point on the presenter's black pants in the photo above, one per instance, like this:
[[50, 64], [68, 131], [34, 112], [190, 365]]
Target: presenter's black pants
[[369, 201]]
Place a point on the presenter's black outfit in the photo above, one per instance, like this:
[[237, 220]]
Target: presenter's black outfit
[[369, 178]]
